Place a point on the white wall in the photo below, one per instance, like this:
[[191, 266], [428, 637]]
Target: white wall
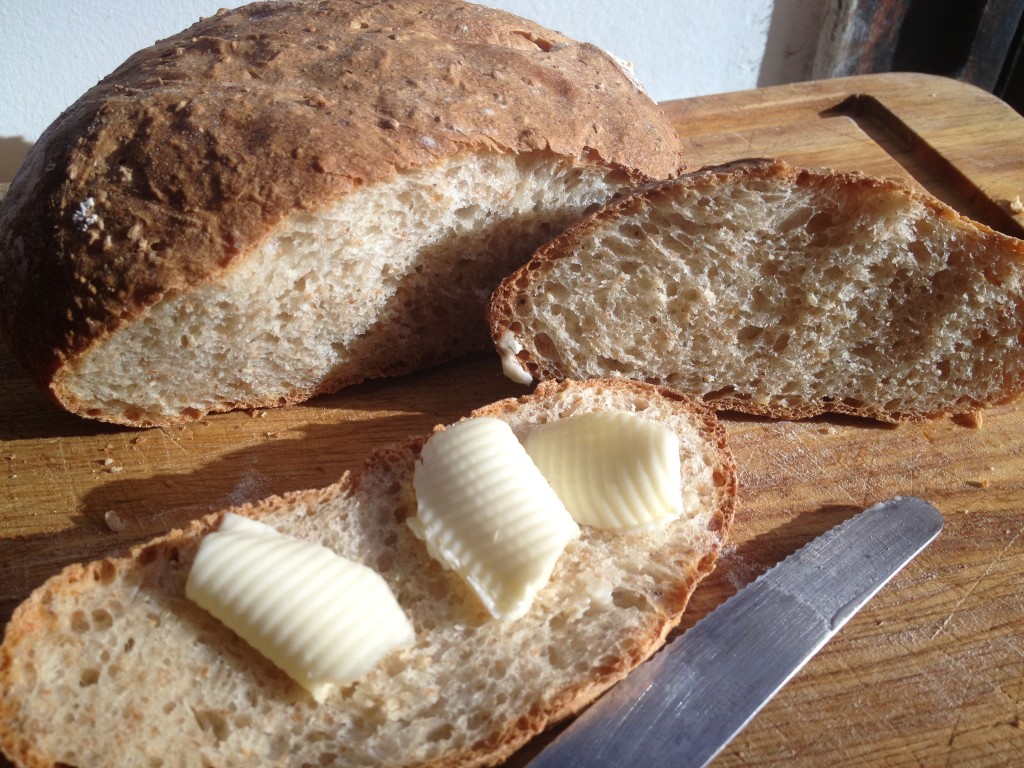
[[51, 51]]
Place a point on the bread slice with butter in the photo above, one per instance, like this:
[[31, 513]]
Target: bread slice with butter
[[770, 289], [110, 664]]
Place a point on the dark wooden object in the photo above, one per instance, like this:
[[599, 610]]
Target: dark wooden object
[[976, 41]]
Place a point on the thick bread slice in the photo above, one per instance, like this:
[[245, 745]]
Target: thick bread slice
[[109, 664], [293, 196], [776, 290]]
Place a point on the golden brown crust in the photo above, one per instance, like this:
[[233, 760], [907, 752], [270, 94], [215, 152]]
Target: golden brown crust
[[183, 159], [502, 315]]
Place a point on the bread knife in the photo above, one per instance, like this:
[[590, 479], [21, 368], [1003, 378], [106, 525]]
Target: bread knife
[[682, 706]]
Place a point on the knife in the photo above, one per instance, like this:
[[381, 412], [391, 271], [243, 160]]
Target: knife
[[682, 706]]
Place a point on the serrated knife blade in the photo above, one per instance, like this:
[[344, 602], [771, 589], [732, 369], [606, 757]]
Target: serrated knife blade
[[681, 707]]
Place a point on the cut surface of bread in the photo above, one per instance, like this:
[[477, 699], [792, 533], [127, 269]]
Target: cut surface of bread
[[769, 289], [109, 664], [368, 169], [385, 282]]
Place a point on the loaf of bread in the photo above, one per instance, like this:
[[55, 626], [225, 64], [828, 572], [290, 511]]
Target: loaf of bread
[[110, 664], [293, 196], [769, 289]]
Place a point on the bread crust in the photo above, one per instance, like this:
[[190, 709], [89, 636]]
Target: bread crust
[[181, 161], [161, 566], [503, 318]]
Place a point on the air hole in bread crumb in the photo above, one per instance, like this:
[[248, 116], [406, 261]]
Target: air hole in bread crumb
[[629, 599], [213, 722], [105, 572], [89, 677], [148, 555], [749, 333], [79, 622], [819, 222], [558, 622], [545, 347], [102, 619], [384, 561], [718, 394], [442, 732], [28, 674], [832, 274], [610, 365], [558, 657], [608, 665], [131, 413]]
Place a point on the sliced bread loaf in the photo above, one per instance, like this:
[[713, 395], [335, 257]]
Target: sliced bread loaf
[[293, 196], [776, 290], [110, 664]]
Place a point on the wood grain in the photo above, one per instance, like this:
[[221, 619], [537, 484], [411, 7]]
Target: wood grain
[[930, 673]]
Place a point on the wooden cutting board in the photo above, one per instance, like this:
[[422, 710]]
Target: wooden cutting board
[[931, 672]]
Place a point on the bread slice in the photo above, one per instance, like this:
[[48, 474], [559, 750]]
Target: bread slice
[[769, 289], [109, 664], [294, 196]]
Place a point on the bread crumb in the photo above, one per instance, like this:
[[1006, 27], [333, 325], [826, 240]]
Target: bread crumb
[[113, 521], [1017, 206], [973, 419], [107, 462], [982, 483]]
